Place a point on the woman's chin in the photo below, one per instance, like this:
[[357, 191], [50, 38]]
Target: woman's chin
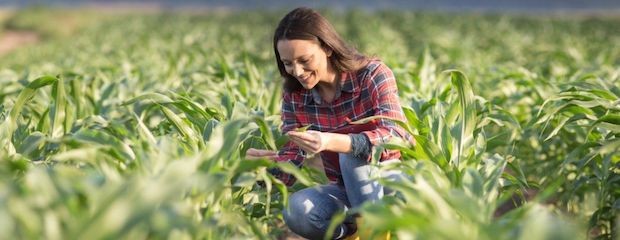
[[308, 86]]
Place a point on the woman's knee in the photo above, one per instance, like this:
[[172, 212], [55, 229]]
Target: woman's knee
[[299, 205], [309, 212]]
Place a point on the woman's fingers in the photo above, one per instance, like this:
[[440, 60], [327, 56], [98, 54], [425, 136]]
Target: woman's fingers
[[260, 152], [267, 153], [309, 141], [304, 140], [305, 136], [308, 147], [253, 153]]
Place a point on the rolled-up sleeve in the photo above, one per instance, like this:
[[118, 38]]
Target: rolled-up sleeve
[[384, 97]]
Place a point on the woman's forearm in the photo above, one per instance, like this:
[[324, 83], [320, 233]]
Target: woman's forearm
[[337, 142]]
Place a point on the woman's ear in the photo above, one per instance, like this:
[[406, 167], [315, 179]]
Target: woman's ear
[[328, 51]]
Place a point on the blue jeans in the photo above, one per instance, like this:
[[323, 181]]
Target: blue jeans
[[310, 210]]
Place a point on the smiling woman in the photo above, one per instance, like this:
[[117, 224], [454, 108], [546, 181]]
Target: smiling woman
[[321, 37], [307, 61], [328, 84]]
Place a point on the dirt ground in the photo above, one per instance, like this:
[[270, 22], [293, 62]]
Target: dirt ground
[[11, 40], [291, 236]]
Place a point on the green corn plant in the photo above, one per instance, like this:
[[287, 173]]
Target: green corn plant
[[142, 134], [588, 113], [9, 125], [464, 198]]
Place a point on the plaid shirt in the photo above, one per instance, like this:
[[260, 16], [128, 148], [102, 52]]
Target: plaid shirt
[[369, 91]]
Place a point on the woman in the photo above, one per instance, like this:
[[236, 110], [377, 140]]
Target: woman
[[327, 85]]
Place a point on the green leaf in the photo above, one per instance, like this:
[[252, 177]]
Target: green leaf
[[610, 121], [245, 179], [57, 112], [32, 145], [427, 150], [401, 123], [467, 112], [184, 129], [10, 124], [303, 129], [42, 82], [302, 178], [153, 98], [266, 134], [413, 119], [103, 139]]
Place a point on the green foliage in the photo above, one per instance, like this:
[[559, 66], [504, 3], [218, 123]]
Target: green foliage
[[143, 130]]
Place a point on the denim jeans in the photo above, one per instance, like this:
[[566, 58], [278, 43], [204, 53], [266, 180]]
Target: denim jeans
[[310, 210]]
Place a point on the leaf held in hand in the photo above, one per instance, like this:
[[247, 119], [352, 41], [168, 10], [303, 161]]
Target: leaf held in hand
[[303, 129]]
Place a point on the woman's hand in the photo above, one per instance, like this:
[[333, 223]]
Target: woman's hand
[[253, 154], [311, 142]]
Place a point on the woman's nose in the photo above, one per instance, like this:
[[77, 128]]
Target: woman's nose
[[297, 70]]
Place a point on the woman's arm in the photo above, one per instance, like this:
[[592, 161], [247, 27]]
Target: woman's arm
[[315, 141], [381, 85], [384, 96]]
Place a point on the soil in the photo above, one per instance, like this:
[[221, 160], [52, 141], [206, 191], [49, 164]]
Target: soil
[[290, 236], [11, 40]]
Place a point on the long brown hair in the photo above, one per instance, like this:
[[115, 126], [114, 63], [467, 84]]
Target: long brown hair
[[306, 24]]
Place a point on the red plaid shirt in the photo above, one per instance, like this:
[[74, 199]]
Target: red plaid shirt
[[369, 91]]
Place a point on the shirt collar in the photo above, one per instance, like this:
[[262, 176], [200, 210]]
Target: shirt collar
[[347, 84]]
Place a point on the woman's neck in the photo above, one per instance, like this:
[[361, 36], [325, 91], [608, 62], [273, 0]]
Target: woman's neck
[[330, 83], [329, 88]]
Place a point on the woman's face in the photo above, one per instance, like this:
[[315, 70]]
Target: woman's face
[[306, 61]]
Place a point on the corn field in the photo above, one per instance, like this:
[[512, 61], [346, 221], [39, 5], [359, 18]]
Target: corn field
[[135, 125]]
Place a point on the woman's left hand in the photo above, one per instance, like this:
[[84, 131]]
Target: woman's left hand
[[310, 141]]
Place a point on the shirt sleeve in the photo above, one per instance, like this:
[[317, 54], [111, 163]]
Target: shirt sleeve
[[290, 152], [383, 91], [360, 146]]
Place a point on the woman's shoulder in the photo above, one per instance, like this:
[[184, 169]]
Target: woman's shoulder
[[371, 69], [372, 64]]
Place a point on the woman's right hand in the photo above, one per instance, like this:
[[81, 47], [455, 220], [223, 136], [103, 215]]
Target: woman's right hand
[[253, 154]]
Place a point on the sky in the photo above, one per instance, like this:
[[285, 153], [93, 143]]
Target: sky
[[484, 5]]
